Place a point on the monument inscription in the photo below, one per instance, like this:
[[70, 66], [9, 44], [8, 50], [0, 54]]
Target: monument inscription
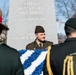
[[24, 15]]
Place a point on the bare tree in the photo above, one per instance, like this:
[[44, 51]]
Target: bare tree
[[5, 12], [74, 15], [61, 37], [65, 8]]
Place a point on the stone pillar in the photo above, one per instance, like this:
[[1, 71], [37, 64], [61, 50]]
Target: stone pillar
[[24, 15]]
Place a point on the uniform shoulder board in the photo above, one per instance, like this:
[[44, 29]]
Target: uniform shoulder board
[[69, 65]]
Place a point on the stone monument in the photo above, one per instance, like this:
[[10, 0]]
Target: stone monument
[[24, 15]]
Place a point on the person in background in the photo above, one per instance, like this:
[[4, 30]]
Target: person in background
[[10, 63], [40, 43], [59, 52]]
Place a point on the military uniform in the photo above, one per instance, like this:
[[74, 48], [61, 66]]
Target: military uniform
[[58, 54], [34, 45], [9, 61]]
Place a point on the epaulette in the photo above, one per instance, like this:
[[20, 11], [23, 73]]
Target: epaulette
[[69, 64]]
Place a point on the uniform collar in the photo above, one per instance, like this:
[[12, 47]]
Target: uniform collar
[[70, 39], [36, 46]]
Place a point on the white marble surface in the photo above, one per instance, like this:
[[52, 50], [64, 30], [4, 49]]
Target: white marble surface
[[24, 15]]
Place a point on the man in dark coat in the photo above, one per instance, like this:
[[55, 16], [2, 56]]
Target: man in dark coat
[[59, 52], [40, 43], [10, 63]]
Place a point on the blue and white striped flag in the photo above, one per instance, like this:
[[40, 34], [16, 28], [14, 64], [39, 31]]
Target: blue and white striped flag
[[33, 61]]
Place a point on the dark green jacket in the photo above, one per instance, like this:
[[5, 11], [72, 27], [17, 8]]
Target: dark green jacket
[[9, 61], [34, 45]]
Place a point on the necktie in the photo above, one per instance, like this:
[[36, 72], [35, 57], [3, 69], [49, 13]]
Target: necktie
[[40, 44]]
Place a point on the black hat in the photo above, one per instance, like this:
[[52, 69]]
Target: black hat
[[71, 23], [2, 26], [39, 29]]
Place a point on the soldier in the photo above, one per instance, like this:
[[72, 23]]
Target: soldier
[[60, 51], [40, 42], [10, 63]]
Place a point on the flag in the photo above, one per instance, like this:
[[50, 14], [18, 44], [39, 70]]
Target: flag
[[33, 61]]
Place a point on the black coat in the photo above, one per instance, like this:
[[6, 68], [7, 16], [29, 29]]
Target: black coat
[[59, 52], [9, 61]]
